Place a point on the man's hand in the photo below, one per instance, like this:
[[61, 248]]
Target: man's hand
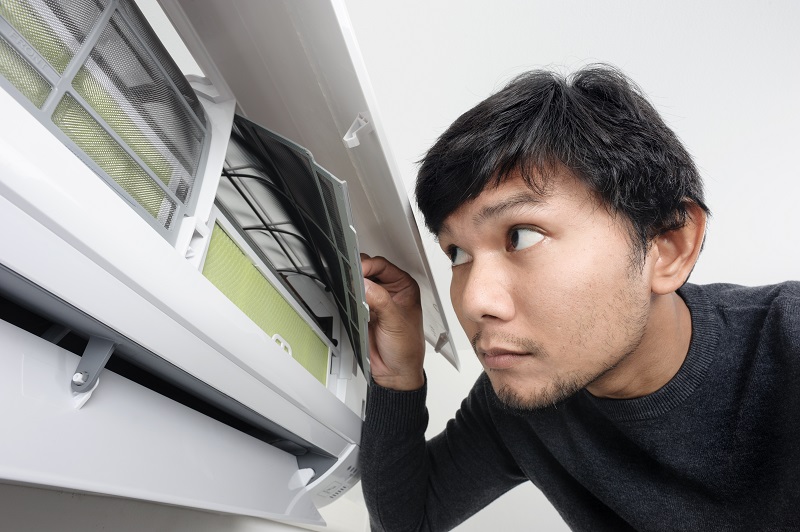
[[396, 337]]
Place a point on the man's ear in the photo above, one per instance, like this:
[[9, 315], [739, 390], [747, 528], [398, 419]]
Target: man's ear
[[677, 251]]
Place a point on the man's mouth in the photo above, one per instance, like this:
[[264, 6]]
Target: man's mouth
[[500, 358]]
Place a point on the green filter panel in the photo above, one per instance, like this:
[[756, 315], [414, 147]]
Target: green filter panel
[[92, 138], [120, 121], [22, 75], [127, 108], [230, 270], [129, 91], [39, 27]]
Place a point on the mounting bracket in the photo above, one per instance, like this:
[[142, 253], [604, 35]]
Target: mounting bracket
[[94, 359]]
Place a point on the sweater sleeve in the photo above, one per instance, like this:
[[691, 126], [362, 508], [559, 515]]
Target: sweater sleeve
[[411, 484]]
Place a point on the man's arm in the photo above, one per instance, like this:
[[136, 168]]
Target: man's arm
[[410, 484]]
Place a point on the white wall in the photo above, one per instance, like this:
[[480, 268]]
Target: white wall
[[723, 74]]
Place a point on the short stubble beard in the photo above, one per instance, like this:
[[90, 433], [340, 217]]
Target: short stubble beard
[[561, 388], [558, 390]]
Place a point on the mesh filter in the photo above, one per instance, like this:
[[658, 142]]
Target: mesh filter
[[143, 129], [147, 35], [285, 244], [230, 270], [317, 204], [55, 28], [22, 75], [90, 137], [126, 88], [293, 171]]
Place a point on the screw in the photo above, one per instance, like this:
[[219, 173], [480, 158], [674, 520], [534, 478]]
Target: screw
[[80, 378]]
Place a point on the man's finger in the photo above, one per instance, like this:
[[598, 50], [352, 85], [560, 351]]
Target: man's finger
[[381, 270]]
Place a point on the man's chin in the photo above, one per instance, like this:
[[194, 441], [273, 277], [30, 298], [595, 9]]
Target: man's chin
[[526, 400]]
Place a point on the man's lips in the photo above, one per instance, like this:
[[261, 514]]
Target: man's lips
[[498, 358]]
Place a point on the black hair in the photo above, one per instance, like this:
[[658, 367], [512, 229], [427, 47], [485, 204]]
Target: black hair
[[596, 123]]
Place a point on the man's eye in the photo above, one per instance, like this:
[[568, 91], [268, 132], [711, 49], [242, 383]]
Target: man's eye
[[458, 256], [521, 238]]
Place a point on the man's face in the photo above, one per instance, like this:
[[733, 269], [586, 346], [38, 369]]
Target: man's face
[[545, 288]]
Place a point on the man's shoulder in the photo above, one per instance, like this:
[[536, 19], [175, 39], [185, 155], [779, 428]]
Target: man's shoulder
[[752, 318], [733, 297]]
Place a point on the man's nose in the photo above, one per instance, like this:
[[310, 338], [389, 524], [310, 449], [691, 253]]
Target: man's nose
[[488, 292]]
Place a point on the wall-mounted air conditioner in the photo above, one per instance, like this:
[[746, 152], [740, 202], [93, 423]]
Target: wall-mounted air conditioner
[[181, 303]]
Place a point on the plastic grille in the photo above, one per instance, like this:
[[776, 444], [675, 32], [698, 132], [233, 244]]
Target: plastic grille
[[90, 137], [127, 89], [147, 35], [232, 272], [22, 75], [55, 28]]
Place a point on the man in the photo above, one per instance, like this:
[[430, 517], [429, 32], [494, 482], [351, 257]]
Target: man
[[573, 217]]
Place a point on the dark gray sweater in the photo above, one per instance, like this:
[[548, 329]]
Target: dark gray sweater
[[717, 448]]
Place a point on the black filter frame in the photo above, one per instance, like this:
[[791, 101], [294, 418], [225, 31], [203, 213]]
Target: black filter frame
[[318, 208]]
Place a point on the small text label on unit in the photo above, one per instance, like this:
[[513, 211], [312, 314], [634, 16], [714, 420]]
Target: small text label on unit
[[32, 55]]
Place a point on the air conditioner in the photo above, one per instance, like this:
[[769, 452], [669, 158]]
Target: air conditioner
[[183, 315]]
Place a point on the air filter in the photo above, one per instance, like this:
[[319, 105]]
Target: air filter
[[298, 215], [250, 289], [95, 74]]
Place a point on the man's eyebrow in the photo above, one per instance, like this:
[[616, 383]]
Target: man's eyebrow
[[498, 209]]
